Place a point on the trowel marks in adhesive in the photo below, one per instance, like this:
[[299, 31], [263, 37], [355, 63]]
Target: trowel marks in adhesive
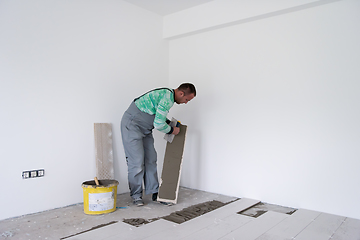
[[261, 208], [181, 216], [193, 211], [138, 221]]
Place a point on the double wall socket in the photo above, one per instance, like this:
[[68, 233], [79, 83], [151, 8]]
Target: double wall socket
[[33, 174]]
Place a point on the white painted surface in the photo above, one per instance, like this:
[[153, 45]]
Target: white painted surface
[[276, 115], [65, 65], [165, 7], [281, 91], [223, 12]]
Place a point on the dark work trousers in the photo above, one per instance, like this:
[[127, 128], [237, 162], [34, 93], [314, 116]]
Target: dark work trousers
[[141, 157]]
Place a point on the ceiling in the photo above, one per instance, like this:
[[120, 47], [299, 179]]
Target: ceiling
[[165, 7]]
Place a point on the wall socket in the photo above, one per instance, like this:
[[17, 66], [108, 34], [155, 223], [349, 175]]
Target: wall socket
[[33, 174]]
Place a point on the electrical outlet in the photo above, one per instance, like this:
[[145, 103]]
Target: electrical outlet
[[26, 175], [33, 173], [40, 173]]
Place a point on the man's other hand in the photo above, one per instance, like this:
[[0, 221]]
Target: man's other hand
[[176, 131]]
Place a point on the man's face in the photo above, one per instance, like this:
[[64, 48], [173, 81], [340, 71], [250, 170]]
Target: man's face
[[184, 98]]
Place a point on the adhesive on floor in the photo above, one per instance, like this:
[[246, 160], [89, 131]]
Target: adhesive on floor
[[184, 215], [139, 221], [93, 228], [193, 211], [261, 208]]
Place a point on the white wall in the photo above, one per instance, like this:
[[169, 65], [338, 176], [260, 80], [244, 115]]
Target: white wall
[[65, 65], [219, 13], [276, 116], [277, 112]]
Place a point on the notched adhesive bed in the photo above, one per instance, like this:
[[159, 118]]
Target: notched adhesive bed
[[261, 208], [138, 221], [181, 216]]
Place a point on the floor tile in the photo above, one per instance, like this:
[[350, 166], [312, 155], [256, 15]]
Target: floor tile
[[349, 230], [257, 227], [187, 228], [322, 228], [222, 223], [220, 228], [144, 231], [104, 232], [234, 207], [70, 220], [291, 226]]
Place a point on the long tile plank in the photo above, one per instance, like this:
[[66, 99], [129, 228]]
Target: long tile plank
[[257, 227], [322, 228], [231, 208], [187, 228], [291, 226], [349, 230], [220, 228], [123, 230], [104, 232], [144, 231]]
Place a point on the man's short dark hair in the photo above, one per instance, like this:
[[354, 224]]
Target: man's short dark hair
[[187, 88]]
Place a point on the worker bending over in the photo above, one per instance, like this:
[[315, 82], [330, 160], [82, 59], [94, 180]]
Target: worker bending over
[[145, 113]]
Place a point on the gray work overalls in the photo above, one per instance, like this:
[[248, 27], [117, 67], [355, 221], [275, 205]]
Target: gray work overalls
[[141, 157]]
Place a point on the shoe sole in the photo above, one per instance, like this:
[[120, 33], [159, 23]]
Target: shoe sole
[[165, 203], [139, 203]]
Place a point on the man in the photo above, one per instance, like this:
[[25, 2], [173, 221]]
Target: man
[[145, 113]]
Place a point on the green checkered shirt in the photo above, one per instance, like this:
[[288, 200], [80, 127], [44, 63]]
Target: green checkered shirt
[[158, 102]]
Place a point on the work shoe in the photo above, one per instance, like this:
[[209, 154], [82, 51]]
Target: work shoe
[[154, 196], [166, 203], [138, 202]]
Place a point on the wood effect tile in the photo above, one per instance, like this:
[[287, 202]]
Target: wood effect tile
[[104, 232], [187, 228], [291, 226], [257, 227], [322, 228], [144, 231], [348, 230], [220, 228]]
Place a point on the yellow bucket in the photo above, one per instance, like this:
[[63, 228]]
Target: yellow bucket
[[100, 199]]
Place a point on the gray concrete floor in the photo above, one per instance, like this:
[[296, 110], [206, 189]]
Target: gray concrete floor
[[67, 221]]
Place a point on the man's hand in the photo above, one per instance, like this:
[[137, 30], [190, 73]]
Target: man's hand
[[176, 131]]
